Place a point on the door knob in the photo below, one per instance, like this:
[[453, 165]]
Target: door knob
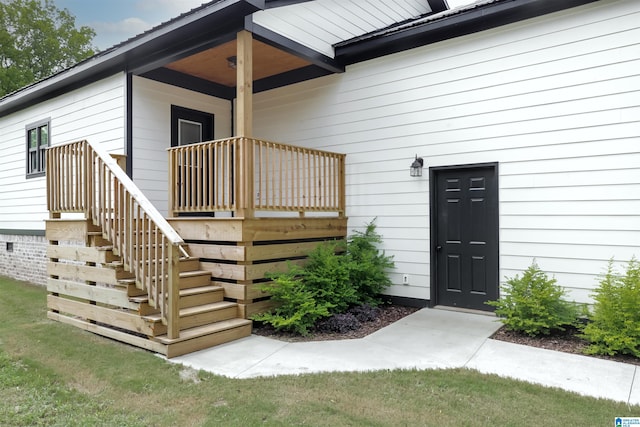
[[438, 248]]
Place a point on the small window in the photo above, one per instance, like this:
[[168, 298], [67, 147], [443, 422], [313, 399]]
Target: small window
[[37, 142], [190, 126], [189, 132]]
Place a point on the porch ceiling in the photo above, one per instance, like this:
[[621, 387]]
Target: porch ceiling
[[212, 64]]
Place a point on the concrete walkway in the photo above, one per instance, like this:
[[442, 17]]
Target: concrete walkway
[[427, 339]]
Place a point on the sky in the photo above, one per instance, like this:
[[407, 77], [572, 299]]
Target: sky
[[117, 20]]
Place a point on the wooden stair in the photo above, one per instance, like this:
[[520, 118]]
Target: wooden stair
[[91, 289], [206, 336], [206, 319]]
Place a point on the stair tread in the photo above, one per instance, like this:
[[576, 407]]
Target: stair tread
[[200, 290], [199, 331], [193, 273], [191, 311], [183, 292], [182, 274], [181, 259]]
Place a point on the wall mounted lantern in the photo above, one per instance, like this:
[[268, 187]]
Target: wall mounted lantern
[[416, 166]]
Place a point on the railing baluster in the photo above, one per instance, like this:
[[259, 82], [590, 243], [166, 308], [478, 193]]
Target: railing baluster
[[299, 179], [199, 184], [209, 177], [181, 180], [259, 174], [275, 177], [280, 167], [159, 267], [76, 180], [139, 240], [315, 181], [310, 179], [82, 179]]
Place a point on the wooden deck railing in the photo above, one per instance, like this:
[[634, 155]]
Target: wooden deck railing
[[244, 175], [82, 178]]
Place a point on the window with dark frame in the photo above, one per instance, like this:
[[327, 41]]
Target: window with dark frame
[[37, 142], [190, 126]]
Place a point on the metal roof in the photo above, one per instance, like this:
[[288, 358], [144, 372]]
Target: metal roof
[[329, 34], [321, 24]]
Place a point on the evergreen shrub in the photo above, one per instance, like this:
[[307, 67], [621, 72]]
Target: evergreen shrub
[[298, 307], [614, 326], [336, 277], [533, 304]]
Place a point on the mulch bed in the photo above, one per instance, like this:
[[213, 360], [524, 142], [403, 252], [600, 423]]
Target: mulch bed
[[389, 313], [568, 341]]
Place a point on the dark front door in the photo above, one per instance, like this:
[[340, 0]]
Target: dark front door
[[464, 211]]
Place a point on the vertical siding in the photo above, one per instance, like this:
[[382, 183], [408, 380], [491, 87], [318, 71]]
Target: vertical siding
[[555, 100], [94, 112], [152, 131]]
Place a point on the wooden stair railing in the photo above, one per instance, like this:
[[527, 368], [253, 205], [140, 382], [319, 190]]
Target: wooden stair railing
[[82, 178]]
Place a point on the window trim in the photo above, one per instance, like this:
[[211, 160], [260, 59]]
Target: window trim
[[181, 122], [28, 128]]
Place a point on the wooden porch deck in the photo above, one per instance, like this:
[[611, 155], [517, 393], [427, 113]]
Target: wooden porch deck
[[119, 269], [239, 252]]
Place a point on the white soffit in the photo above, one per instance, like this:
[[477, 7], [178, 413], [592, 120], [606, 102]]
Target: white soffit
[[320, 24]]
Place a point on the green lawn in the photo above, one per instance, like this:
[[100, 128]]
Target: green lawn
[[55, 374]]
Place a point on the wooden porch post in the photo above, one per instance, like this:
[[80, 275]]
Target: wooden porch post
[[244, 87], [244, 123]]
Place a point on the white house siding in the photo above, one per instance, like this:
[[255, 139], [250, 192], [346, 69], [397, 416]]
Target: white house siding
[[94, 112], [555, 100], [152, 131]]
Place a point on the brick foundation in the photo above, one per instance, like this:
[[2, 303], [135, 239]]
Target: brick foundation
[[24, 258]]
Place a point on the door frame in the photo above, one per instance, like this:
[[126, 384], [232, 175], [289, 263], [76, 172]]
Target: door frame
[[433, 223]]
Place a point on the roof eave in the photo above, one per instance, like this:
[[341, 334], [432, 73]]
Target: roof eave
[[466, 22], [176, 35]]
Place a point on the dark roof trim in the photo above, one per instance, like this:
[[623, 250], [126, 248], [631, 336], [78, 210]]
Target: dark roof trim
[[274, 39], [450, 25], [185, 81], [290, 77], [438, 5], [187, 48], [191, 29], [270, 4]]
